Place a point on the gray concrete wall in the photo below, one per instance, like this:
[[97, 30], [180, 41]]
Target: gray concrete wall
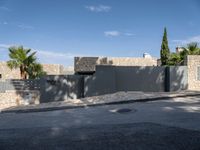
[[178, 78], [59, 88], [102, 82], [109, 79], [147, 79]]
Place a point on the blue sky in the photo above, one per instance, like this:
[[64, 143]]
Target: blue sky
[[61, 29]]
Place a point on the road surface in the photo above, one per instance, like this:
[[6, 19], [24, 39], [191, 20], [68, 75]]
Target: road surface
[[165, 124]]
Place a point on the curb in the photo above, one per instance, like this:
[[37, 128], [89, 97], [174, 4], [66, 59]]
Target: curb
[[95, 105]]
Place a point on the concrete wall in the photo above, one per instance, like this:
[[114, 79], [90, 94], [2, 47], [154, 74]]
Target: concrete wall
[[102, 82], [88, 64], [150, 79], [59, 88], [193, 62], [177, 78], [110, 79]]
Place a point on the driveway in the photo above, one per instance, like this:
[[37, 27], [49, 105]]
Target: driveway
[[166, 124]]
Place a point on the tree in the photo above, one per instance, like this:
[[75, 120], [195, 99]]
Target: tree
[[35, 70], [164, 52], [174, 59], [191, 49], [178, 58], [25, 60]]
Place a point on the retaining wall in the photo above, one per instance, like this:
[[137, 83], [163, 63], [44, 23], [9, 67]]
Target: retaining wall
[[13, 98]]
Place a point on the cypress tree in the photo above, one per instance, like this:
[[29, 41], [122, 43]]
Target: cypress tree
[[165, 52]]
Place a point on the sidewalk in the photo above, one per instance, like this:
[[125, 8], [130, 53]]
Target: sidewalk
[[109, 99]]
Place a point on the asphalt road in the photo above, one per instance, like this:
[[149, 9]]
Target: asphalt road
[[172, 124]]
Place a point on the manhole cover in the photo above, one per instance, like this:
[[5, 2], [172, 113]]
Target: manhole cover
[[123, 110]]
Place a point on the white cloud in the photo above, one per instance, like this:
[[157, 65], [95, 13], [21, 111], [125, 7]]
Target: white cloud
[[51, 57], [4, 23], [100, 8], [4, 46], [55, 54], [129, 34], [117, 33], [23, 26], [188, 40], [3, 8], [47, 57], [112, 33]]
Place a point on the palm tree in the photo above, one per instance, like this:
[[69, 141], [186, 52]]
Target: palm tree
[[178, 58], [35, 70], [21, 58], [190, 49]]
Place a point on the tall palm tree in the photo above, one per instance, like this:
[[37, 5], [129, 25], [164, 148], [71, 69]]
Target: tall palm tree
[[21, 58]]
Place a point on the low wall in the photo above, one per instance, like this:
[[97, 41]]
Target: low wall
[[16, 98]]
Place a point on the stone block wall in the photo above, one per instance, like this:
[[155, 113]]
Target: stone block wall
[[16, 98], [128, 61], [7, 73], [193, 62], [51, 69], [88, 64]]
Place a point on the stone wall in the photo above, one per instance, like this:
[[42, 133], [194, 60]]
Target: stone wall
[[88, 64], [7, 73], [51, 69], [16, 98], [193, 62], [128, 61]]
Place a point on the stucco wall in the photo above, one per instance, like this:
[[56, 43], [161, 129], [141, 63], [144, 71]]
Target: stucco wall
[[88, 64], [193, 61]]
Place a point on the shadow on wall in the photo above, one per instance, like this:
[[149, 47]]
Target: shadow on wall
[[59, 88], [49, 88], [110, 79], [177, 78], [26, 91]]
